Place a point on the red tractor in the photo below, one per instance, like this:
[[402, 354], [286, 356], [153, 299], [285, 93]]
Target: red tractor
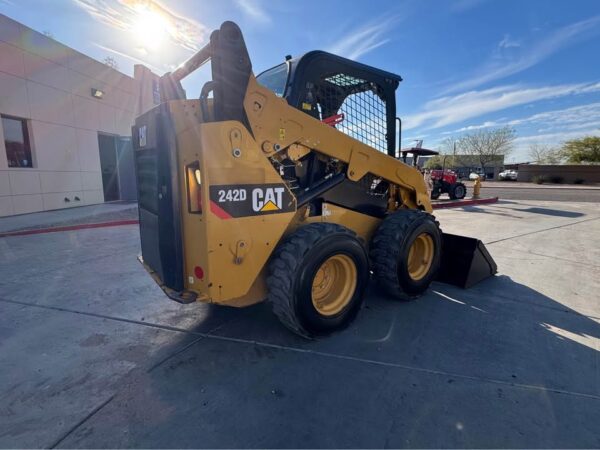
[[444, 180]]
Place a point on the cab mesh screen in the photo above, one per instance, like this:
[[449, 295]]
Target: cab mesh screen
[[364, 110]]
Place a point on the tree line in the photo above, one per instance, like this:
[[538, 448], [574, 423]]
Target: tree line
[[479, 148], [576, 151], [484, 147]]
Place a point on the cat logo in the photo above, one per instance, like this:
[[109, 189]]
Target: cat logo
[[267, 199], [142, 135]]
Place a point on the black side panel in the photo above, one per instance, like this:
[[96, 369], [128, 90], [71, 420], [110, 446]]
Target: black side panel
[[354, 196], [465, 261], [148, 234], [158, 197]]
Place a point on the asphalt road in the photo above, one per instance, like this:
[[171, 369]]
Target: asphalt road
[[541, 193]]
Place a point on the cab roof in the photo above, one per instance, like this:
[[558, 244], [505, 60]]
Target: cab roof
[[315, 55]]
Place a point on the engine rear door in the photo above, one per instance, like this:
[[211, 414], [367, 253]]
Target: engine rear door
[[158, 197]]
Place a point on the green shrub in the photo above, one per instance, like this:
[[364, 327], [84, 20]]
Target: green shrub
[[538, 179], [556, 179], [578, 181]]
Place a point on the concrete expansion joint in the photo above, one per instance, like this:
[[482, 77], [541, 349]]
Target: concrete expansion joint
[[541, 231], [91, 414]]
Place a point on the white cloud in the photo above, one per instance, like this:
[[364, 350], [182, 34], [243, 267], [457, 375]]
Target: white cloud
[[255, 10], [555, 138], [363, 39], [515, 62], [129, 57], [508, 42], [552, 127], [573, 118], [453, 109], [416, 137], [473, 127], [522, 144]]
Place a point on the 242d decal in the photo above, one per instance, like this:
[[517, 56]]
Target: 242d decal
[[252, 200]]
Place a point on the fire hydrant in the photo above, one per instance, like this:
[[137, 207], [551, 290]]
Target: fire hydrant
[[476, 187]]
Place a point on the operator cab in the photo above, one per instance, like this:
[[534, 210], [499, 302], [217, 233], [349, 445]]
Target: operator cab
[[356, 99]]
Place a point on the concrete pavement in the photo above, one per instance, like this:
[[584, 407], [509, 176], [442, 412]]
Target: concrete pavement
[[94, 355]]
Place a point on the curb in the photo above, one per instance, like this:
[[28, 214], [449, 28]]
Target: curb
[[459, 203], [82, 226]]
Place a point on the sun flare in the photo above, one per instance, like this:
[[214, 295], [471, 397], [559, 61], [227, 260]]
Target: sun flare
[[150, 28]]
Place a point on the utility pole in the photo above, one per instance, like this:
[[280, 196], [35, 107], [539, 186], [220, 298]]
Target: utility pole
[[454, 165]]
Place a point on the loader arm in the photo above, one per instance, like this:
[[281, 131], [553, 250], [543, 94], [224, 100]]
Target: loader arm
[[276, 126]]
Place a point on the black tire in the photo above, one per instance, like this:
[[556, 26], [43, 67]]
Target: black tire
[[435, 193], [293, 268], [390, 248], [457, 191]]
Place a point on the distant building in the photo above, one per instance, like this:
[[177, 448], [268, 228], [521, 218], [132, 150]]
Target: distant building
[[65, 124], [564, 173]]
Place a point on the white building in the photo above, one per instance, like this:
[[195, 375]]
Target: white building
[[65, 124]]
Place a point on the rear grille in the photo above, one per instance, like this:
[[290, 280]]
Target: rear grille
[[147, 175]]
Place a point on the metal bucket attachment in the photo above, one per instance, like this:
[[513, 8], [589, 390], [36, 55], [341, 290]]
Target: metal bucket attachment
[[465, 261]]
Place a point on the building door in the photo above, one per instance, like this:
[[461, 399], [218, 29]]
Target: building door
[[127, 184], [109, 166]]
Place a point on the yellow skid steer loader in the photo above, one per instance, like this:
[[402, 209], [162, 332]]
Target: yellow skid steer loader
[[287, 187]]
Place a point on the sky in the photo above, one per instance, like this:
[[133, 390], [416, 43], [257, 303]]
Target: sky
[[466, 64]]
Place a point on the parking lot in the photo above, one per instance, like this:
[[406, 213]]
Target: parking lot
[[92, 354]]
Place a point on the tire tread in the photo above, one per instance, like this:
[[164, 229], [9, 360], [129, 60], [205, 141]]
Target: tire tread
[[384, 254], [283, 267]]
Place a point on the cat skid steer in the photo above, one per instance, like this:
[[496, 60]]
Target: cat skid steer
[[286, 187]]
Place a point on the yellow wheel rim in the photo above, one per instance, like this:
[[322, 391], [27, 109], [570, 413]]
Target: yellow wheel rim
[[420, 256], [334, 284]]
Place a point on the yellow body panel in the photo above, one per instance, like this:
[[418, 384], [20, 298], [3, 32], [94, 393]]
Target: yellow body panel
[[231, 252]]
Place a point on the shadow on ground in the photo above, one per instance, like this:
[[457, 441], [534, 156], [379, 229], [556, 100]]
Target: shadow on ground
[[551, 212], [500, 365], [495, 212], [502, 211]]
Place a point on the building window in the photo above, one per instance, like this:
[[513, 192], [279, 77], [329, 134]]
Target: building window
[[16, 141]]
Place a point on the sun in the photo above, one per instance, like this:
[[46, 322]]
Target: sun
[[150, 28]]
